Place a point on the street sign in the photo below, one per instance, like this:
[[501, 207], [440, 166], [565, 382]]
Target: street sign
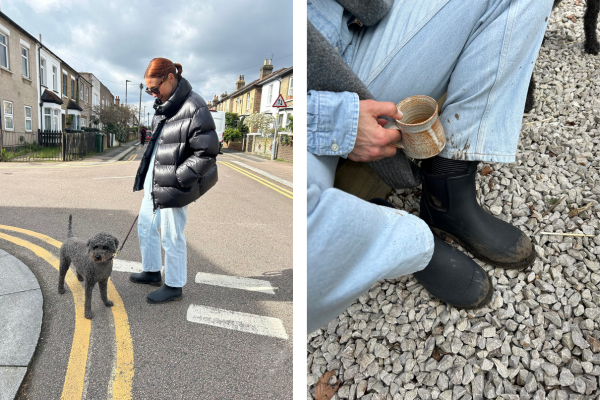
[[279, 102]]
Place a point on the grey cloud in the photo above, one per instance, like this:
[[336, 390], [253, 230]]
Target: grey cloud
[[214, 41]]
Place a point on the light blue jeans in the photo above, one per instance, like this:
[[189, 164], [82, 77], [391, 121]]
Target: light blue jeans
[[481, 53], [171, 222]]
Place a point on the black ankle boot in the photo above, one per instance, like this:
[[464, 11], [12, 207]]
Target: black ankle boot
[[165, 294], [449, 205], [454, 278], [148, 278], [451, 276]]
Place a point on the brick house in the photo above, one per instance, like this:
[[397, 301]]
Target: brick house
[[18, 83]]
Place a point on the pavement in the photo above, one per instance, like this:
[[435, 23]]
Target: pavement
[[21, 301]]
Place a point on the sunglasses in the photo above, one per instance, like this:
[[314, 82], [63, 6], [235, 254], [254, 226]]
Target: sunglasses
[[155, 88]]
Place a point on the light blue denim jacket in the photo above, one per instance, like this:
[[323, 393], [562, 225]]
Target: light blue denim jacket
[[351, 243], [332, 118]]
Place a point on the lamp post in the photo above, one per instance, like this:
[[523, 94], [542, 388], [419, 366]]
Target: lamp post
[[126, 80], [140, 109]]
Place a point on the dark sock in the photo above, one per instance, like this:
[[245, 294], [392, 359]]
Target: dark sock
[[443, 166]]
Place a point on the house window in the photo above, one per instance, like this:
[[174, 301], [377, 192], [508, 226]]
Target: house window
[[56, 126], [291, 88], [47, 119], [280, 121], [83, 122], [28, 124], [64, 84], [54, 73], [87, 94], [95, 99], [25, 57], [3, 51], [8, 116], [43, 72], [81, 92], [248, 101], [72, 87], [270, 97]]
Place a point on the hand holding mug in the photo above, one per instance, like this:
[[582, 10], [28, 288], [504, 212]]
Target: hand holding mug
[[373, 141]]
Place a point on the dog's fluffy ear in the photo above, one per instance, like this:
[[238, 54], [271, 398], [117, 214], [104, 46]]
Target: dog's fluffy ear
[[116, 243]]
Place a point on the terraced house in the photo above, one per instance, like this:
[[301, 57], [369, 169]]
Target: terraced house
[[19, 117], [249, 98], [40, 91]]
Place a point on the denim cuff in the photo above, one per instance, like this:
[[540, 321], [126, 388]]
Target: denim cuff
[[332, 120]]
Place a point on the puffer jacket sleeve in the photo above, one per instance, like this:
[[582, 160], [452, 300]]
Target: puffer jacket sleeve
[[204, 145]]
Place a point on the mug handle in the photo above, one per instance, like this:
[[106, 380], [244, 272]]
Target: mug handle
[[394, 125]]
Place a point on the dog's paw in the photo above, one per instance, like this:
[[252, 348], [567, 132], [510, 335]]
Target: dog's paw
[[61, 290], [80, 278], [109, 303], [89, 314]]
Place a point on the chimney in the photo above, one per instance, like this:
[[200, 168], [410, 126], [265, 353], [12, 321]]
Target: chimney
[[266, 69], [240, 82], [223, 96], [117, 100], [40, 38], [215, 99]]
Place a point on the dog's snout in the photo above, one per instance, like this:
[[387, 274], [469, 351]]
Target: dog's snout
[[97, 257]]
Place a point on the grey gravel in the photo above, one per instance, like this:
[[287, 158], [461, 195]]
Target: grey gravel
[[539, 338]]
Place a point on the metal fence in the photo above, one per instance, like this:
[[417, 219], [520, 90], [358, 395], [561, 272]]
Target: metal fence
[[46, 145]]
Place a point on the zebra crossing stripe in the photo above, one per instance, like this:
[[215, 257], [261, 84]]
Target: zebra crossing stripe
[[235, 282], [237, 321]]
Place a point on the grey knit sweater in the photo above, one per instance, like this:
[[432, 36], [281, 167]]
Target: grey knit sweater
[[327, 71]]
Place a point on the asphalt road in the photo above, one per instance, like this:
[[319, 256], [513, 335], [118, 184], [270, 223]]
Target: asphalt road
[[240, 228]]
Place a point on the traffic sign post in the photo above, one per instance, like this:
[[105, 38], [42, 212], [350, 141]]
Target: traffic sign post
[[278, 103]]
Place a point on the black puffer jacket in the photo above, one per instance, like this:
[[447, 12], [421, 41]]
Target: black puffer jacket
[[185, 165]]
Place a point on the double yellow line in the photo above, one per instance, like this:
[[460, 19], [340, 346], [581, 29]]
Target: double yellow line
[[74, 379], [278, 189]]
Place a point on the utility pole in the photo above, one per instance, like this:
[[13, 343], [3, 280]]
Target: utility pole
[[148, 120], [140, 110], [126, 80]]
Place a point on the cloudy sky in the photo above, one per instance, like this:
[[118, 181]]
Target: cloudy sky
[[214, 41]]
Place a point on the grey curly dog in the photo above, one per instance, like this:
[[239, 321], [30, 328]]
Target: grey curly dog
[[92, 262]]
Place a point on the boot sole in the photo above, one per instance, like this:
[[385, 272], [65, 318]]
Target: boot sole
[[521, 265], [146, 283], [166, 301]]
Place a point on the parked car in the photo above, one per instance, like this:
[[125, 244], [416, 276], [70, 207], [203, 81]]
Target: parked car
[[219, 118], [148, 136]]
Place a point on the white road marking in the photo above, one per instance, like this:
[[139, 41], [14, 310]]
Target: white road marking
[[263, 173], [117, 177], [128, 266], [237, 321], [235, 282]]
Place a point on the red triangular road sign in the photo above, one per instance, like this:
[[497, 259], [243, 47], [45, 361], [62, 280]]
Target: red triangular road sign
[[279, 102]]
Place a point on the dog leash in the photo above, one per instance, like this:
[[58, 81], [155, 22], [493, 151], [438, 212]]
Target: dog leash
[[123, 244]]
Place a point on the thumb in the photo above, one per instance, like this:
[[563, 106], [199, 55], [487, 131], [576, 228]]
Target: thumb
[[388, 109]]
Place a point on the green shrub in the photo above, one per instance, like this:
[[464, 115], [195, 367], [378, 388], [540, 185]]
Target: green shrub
[[231, 134]]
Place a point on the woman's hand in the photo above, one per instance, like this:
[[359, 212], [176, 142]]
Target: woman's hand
[[372, 139]]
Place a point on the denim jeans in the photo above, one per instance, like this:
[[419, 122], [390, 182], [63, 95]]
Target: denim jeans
[[171, 222], [481, 53]]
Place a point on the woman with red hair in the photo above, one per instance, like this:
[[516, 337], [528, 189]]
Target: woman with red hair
[[178, 166]]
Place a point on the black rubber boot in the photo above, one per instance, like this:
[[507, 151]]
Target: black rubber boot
[[453, 277], [148, 278], [449, 206], [164, 294]]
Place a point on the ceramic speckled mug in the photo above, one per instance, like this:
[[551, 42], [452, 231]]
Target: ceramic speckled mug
[[421, 129]]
